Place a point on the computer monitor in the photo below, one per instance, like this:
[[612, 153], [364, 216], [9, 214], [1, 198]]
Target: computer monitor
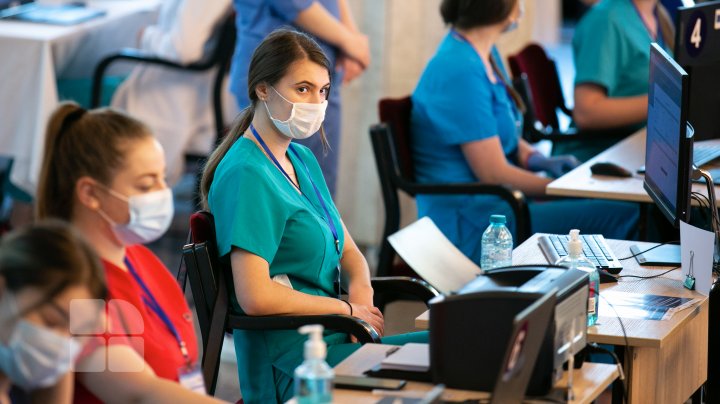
[[697, 50], [668, 151]]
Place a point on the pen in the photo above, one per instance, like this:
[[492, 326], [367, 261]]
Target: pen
[[391, 351]]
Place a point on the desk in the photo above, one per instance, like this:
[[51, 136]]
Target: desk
[[628, 153], [37, 54], [588, 383], [666, 361]]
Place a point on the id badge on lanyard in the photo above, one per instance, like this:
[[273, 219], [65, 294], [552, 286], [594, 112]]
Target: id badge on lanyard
[[327, 217], [191, 377]]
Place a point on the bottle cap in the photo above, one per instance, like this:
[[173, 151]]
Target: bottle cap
[[498, 219], [575, 247], [315, 347]]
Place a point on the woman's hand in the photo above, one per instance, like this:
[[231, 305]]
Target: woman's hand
[[357, 47], [370, 315]]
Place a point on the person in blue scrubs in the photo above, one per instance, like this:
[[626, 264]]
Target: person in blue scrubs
[[466, 124], [331, 23], [276, 223]]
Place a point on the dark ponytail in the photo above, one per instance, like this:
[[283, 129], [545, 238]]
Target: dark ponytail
[[81, 143], [269, 64], [466, 14]]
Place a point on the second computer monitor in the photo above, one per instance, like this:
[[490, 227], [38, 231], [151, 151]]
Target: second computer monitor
[[697, 50], [668, 151]]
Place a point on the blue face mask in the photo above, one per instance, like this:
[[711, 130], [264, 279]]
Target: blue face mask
[[515, 24]]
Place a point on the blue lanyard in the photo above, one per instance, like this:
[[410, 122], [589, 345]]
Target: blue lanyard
[[150, 301], [328, 218], [658, 36]]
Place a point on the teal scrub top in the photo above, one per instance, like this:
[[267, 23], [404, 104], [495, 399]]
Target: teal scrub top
[[456, 103], [258, 210], [611, 48]]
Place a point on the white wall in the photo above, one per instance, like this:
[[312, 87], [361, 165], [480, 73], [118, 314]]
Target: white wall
[[404, 35]]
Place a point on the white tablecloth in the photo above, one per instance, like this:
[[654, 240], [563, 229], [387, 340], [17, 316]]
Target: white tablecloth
[[32, 56]]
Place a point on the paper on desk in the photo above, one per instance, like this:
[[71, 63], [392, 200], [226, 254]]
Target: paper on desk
[[700, 245], [366, 357], [429, 253], [641, 306], [412, 357]]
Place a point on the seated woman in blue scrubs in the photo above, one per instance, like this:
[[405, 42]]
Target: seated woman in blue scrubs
[[466, 125], [277, 224], [611, 50]]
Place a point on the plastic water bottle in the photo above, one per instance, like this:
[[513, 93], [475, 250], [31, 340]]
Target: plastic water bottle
[[577, 260], [314, 377], [497, 244]]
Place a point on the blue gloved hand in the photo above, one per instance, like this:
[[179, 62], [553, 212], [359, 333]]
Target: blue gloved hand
[[554, 166]]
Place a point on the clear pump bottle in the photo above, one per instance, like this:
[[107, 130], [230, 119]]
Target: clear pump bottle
[[577, 260], [314, 377]]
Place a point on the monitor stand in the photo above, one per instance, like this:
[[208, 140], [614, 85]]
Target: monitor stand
[[669, 255]]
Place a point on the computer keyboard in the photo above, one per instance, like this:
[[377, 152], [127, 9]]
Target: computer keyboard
[[595, 248], [705, 153]]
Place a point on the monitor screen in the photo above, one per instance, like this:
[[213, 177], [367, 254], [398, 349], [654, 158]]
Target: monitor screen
[[668, 151], [697, 50]]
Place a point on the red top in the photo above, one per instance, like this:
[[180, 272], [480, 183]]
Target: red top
[[132, 322]]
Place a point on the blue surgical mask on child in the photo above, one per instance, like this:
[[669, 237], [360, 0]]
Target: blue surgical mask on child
[[304, 121], [34, 357]]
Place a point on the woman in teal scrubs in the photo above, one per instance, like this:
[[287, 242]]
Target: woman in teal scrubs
[[466, 122], [276, 222], [611, 50]]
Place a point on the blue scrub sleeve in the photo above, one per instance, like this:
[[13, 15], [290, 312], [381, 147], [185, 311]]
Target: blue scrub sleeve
[[289, 9], [248, 213], [595, 48]]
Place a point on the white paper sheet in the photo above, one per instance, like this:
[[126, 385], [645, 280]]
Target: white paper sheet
[[699, 245], [429, 253]]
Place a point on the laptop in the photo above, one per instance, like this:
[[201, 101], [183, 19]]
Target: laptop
[[30, 11]]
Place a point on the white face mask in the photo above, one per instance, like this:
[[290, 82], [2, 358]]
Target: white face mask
[[150, 216], [305, 118], [34, 356]]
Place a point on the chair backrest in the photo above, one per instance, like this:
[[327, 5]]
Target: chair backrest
[[395, 112], [207, 281], [542, 76], [203, 268]]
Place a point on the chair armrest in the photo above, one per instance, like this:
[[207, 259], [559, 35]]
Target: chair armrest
[[403, 285], [336, 322], [513, 197], [136, 56]]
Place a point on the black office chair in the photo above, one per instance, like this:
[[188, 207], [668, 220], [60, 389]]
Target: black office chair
[[536, 79], [219, 58], [392, 147], [208, 278]]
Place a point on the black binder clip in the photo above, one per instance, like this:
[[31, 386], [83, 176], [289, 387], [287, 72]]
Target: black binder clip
[[690, 278]]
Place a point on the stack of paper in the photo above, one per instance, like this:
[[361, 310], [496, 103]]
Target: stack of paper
[[410, 357]]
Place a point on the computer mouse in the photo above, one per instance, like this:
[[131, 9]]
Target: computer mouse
[[611, 169]]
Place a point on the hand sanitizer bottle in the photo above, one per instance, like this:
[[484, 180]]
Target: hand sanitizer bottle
[[314, 377], [577, 260]]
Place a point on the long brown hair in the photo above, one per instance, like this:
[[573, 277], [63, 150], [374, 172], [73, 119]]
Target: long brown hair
[[51, 256], [81, 143], [269, 64], [467, 14]]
